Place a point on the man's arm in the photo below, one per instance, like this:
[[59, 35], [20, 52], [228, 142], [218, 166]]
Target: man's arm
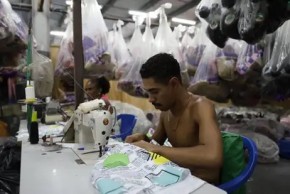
[[159, 134], [208, 154]]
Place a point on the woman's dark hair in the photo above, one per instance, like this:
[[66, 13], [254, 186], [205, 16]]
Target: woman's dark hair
[[103, 84], [161, 67]]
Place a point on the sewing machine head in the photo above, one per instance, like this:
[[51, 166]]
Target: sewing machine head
[[93, 123]]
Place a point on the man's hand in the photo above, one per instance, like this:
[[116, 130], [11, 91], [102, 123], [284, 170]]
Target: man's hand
[[134, 138], [145, 145]]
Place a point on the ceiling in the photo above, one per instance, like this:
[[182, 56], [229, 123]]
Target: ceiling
[[112, 11]]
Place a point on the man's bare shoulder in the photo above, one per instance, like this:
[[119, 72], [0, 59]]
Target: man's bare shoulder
[[201, 101], [201, 104]]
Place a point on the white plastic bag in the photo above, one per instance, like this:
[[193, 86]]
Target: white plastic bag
[[249, 55], [42, 74], [95, 42], [65, 60], [120, 53], [149, 41], [142, 124], [136, 41], [130, 81], [280, 54], [12, 27], [186, 39], [227, 59], [166, 42], [196, 48], [97, 61], [207, 69], [7, 29]]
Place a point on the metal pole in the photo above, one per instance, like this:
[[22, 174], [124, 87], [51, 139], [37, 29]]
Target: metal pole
[[78, 52]]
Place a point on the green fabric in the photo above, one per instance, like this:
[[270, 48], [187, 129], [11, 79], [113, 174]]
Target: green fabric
[[116, 160], [234, 159]]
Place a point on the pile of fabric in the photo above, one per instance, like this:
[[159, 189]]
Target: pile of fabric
[[262, 126]]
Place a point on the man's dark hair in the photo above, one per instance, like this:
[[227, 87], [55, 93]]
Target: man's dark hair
[[103, 84], [161, 67]]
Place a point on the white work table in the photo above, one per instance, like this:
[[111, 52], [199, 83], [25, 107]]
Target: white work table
[[58, 172], [54, 172]]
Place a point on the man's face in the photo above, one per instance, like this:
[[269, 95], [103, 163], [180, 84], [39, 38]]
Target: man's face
[[160, 95], [91, 90]]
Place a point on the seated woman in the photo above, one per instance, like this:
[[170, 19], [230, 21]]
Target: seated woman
[[98, 88]]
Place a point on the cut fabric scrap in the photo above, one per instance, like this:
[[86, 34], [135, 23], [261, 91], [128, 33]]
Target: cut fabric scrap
[[168, 176], [116, 160], [108, 186]]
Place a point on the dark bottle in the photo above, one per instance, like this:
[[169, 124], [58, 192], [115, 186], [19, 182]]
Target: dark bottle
[[33, 134]]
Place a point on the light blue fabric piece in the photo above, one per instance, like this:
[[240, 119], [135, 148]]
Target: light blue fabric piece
[[109, 186], [168, 176]]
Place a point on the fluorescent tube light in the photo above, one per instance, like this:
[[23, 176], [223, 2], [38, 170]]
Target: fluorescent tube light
[[57, 33], [143, 14], [184, 21]]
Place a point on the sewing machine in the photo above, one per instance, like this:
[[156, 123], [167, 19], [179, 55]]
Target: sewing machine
[[93, 123]]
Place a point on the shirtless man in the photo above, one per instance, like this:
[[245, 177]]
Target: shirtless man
[[188, 121]]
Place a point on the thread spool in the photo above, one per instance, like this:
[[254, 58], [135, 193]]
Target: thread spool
[[91, 105], [34, 133], [29, 91]]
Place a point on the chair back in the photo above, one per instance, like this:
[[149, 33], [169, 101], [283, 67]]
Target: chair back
[[240, 180]]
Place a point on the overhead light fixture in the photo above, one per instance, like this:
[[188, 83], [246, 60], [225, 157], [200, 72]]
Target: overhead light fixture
[[184, 21], [57, 33], [70, 3], [143, 14]]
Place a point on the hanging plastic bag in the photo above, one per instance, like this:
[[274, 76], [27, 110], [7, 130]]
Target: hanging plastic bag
[[148, 38], [280, 54], [252, 23], [95, 45], [227, 59], [21, 28], [195, 49], [268, 44], [178, 34], [135, 43], [7, 25], [95, 42], [167, 43], [207, 69], [250, 57], [120, 52], [205, 80], [13, 30], [42, 74], [186, 39], [130, 82], [65, 60]]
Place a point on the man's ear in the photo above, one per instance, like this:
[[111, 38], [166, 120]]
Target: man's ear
[[174, 82]]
